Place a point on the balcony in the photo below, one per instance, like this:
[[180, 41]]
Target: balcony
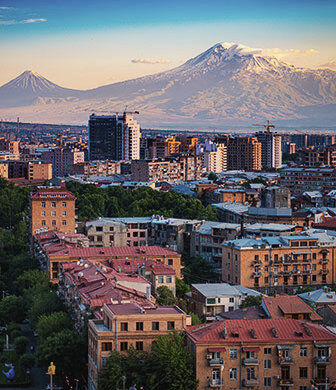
[[286, 382], [286, 360], [321, 381], [256, 274], [215, 362], [321, 359], [324, 271], [213, 383], [252, 382], [250, 361]]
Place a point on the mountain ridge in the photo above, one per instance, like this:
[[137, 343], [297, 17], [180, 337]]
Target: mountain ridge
[[227, 82]]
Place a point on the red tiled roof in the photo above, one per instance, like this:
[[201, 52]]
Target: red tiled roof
[[328, 223], [42, 192], [287, 329], [280, 305], [333, 308], [110, 251]]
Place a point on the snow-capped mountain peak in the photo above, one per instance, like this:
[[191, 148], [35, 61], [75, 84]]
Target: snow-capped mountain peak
[[29, 80]]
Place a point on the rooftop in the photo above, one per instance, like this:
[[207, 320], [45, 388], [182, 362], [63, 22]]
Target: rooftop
[[323, 295], [223, 290], [137, 310], [277, 331]]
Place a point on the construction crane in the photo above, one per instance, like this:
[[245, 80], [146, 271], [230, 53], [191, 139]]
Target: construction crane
[[112, 112], [267, 126]]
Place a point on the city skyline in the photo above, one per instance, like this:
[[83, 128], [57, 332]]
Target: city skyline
[[73, 43]]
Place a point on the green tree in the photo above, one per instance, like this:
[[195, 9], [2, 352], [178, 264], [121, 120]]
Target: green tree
[[27, 361], [66, 349], [195, 320], [49, 324], [251, 300], [181, 288], [12, 309], [212, 176], [197, 270], [20, 345], [43, 304], [165, 296], [174, 363], [303, 290], [30, 279]]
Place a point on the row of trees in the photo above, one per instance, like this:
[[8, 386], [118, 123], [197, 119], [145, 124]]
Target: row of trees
[[93, 201], [168, 366]]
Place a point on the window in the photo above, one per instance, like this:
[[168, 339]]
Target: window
[[53, 223], [268, 382], [64, 223], [64, 204], [170, 261], [123, 346], [233, 373], [233, 354], [303, 372], [256, 258], [139, 345], [267, 351], [160, 279], [314, 278], [99, 238], [266, 279], [266, 257], [111, 228], [139, 326], [155, 326], [43, 204], [43, 222], [142, 234], [303, 351], [135, 234], [303, 387], [64, 214], [314, 267], [43, 214], [124, 326], [53, 213], [231, 300], [53, 204], [168, 279], [99, 228], [106, 346], [267, 363]]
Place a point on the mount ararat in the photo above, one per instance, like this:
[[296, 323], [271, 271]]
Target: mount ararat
[[229, 84]]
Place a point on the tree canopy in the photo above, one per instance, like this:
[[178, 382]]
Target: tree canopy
[[93, 201]]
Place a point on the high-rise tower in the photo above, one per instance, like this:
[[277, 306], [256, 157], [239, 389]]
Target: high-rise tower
[[114, 137]]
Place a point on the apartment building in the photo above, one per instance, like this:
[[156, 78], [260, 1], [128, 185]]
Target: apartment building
[[128, 325], [271, 154], [13, 147], [56, 252], [29, 170], [300, 179], [211, 299], [4, 170], [62, 159], [280, 264], [262, 353], [52, 208], [127, 231], [243, 153], [206, 241], [183, 168], [96, 168], [114, 137], [214, 156]]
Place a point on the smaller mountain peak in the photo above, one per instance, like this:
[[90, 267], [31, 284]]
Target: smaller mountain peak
[[29, 72], [235, 48]]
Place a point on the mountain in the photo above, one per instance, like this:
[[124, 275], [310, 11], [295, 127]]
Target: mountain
[[228, 84], [29, 87]]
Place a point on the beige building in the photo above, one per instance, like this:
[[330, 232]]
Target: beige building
[[280, 264], [52, 208], [262, 354], [128, 325]]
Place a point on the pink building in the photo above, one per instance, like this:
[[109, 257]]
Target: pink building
[[62, 159]]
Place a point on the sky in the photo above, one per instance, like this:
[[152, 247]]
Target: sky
[[83, 44]]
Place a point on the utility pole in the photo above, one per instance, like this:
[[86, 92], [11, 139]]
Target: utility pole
[[124, 381]]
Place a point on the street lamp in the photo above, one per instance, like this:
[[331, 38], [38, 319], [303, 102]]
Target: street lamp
[[124, 381], [76, 380]]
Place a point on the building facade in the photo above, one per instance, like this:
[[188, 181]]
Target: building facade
[[62, 159], [262, 354], [52, 208], [129, 325], [115, 137], [271, 154]]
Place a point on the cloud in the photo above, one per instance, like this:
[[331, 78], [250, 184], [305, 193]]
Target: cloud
[[25, 21], [151, 61], [5, 8], [282, 53], [330, 64]]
